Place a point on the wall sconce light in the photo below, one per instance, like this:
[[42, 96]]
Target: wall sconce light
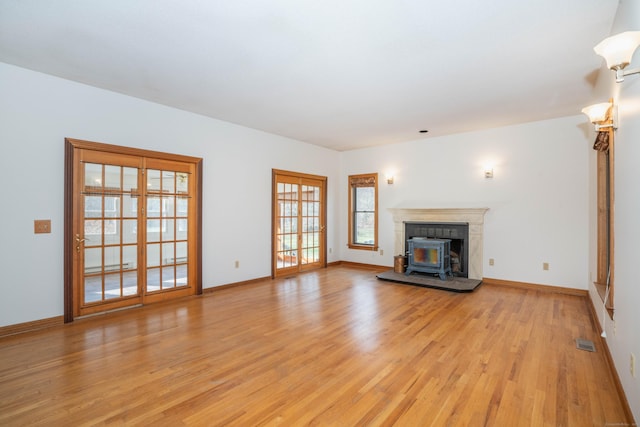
[[389, 174], [618, 50], [603, 115], [488, 172]]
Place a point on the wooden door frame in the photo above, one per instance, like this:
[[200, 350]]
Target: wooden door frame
[[69, 159], [323, 236]]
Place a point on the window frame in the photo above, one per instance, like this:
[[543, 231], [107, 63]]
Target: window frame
[[369, 180], [604, 282]]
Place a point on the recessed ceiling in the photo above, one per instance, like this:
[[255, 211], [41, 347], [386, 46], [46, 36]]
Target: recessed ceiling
[[340, 74]]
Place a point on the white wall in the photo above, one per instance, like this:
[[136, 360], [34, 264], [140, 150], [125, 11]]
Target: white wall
[[38, 111], [538, 199], [623, 334]]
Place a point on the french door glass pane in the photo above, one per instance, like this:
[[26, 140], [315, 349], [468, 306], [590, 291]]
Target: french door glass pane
[[154, 227], [92, 260], [129, 206], [111, 231], [181, 252], [168, 211], [168, 182], [182, 183], [168, 277], [153, 180], [112, 207], [112, 286], [130, 179], [112, 177], [92, 206], [168, 206], [129, 231], [130, 283], [112, 258], [168, 232], [153, 255], [130, 257], [168, 253], [92, 232], [181, 275], [153, 279], [92, 289], [92, 175], [153, 206], [182, 207], [182, 229]]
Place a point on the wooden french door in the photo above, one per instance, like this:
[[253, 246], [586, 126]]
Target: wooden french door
[[299, 222], [133, 227]]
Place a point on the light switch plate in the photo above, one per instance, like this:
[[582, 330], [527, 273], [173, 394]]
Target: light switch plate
[[41, 226]]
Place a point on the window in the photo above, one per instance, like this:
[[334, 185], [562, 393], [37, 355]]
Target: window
[[363, 211], [605, 260]]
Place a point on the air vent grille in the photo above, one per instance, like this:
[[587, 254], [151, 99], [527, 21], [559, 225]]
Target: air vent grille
[[586, 345]]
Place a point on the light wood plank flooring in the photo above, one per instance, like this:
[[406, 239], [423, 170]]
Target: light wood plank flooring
[[334, 347]]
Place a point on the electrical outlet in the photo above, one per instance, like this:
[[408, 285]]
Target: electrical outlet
[[330, 250], [381, 252], [41, 226], [237, 264], [632, 365], [545, 266], [491, 261]]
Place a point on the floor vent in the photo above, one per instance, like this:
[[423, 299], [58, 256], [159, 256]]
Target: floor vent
[[586, 345]]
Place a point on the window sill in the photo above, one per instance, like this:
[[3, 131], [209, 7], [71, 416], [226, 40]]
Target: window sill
[[363, 247]]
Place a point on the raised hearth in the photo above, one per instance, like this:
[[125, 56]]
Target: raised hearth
[[473, 216], [454, 284]]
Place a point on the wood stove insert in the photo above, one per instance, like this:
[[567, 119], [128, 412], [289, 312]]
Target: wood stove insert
[[429, 256], [456, 232]]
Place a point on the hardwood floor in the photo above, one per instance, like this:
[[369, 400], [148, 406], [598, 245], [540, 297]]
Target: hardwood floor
[[332, 347]]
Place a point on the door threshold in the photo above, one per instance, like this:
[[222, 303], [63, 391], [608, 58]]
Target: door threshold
[[113, 310]]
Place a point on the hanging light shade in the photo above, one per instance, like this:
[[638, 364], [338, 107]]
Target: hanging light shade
[[618, 50], [597, 113]]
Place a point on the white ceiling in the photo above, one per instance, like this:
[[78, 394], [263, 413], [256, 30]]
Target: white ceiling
[[342, 74]]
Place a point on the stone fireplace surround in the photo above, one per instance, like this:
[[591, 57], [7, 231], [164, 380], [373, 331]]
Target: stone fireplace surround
[[473, 216]]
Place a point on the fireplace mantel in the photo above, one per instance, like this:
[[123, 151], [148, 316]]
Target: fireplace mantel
[[473, 216]]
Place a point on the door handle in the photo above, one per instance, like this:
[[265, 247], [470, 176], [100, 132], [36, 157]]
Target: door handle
[[78, 242]]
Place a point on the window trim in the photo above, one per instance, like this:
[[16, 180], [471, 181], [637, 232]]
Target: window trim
[[605, 224], [362, 180]]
